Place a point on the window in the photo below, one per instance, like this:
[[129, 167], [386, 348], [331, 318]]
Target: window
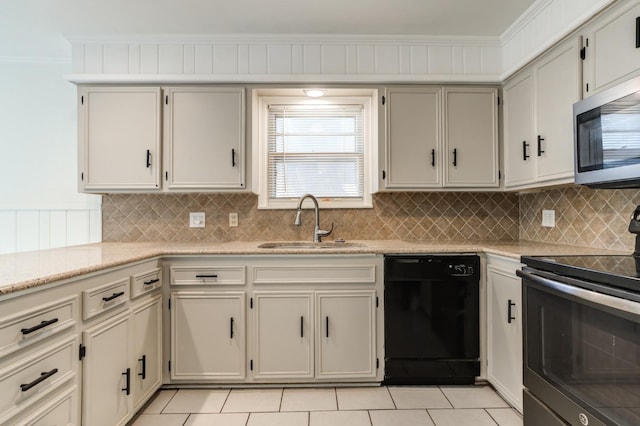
[[321, 147]]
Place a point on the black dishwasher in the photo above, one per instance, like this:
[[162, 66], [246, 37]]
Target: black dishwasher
[[431, 309]]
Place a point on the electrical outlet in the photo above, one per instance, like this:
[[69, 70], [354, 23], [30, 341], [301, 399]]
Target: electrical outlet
[[548, 218], [196, 220], [233, 219]]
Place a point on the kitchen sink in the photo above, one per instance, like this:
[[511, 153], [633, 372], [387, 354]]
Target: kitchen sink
[[303, 245]]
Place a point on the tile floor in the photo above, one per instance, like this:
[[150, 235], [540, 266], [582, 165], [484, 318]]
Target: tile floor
[[363, 406]]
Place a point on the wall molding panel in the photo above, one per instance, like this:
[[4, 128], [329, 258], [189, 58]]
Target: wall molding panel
[[32, 229], [277, 59]]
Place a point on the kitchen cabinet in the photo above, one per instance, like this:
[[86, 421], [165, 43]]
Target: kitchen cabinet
[[441, 137], [283, 335], [504, 329], [470, 137], [119, 138], [204, 130], [612, 48], [346, 338], [538, 117], [107, 372], [147, 349], [208, 335], [413, 148]]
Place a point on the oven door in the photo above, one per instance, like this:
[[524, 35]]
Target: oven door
[[581, 350]]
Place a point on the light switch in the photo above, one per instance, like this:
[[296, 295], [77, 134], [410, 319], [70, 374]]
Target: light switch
[[196, 220], [548, 218]]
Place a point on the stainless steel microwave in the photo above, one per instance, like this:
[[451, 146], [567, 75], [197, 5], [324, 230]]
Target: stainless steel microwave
[[606, 129]]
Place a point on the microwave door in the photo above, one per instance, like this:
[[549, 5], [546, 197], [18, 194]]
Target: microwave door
[[590, 147]]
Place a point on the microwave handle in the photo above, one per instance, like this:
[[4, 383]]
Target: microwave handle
[[617, 303]]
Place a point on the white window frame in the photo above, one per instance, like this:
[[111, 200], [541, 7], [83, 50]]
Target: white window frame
[[260, 146]]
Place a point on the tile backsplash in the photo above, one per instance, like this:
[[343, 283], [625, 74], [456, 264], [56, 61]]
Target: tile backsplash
[[436, 216], [584, 217], [596, 218]]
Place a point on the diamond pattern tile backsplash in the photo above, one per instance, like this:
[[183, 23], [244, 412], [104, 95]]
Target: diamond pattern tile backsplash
[[584, 217], [435, 216]]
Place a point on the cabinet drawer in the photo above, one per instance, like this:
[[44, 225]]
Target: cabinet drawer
[[22, 330], [145, 282], [208, 275], [103, 298], [61, 410], [28, 381], [352, 274]]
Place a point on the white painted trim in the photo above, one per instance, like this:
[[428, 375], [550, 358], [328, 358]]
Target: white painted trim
[[35, 60]]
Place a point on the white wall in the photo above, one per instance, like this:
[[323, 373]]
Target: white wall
[[39, 203]]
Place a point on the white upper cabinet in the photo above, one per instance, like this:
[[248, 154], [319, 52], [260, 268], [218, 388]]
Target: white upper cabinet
[[538, 117], [204, 138], [413, 138], [119, 138], [441, 137], [470, 136], [612, 48]]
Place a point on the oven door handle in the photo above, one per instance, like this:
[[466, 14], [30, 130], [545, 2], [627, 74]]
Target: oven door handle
[[612, 302]]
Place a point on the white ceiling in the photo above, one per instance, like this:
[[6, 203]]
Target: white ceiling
[[36, 27]]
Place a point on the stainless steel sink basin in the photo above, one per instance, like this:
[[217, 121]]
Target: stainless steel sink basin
[[303, 245]]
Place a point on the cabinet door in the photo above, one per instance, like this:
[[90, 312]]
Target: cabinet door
[[120, 138], [283, 325], [204, 138], [612, 55], [558, 79], [413, 138], [519, 144], [207, 336], [470, 137], [147, 350], [504, 333], [105, 398], [346, 334]]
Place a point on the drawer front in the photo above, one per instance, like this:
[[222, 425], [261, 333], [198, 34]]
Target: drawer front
[[145, 282], [208, 275], [61, 410], [348, 274], [22, 330], [104, 298], [25, 382]]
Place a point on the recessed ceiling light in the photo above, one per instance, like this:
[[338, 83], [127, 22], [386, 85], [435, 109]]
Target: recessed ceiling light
[[314, 93]]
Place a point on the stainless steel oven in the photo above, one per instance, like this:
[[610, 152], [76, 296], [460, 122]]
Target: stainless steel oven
[[581, 343]]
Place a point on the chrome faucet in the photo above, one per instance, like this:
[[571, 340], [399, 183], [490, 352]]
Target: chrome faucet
[[317, 232]]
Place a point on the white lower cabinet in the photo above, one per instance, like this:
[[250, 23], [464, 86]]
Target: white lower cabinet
[[346, 340], [208, 335], [504, 329], [107, 371], [147, 349], [283, 335]]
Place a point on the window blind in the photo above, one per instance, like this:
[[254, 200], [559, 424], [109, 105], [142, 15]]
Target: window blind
[[316, 149]]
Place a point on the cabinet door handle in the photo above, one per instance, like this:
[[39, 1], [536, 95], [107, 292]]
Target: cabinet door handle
[[43, 376], [231, 328], [233, 157], [433, 158], [540, 151], [127, 388], [153, 281], [326, 325], [43, 324], [638, 32], [301, 326], [113, 296], [510, 317], [524, 150], [143, 373], [207, 276], [148, 159], [455, 157]]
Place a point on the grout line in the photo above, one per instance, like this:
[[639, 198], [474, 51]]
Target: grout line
[[186, 419], [335, 393], [369, 415], [170, 399], [395, 406], [225, 399], [446, 397], [494, 420], [281, 398]]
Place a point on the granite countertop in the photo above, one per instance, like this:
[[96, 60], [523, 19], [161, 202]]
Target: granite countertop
[[21, 271]]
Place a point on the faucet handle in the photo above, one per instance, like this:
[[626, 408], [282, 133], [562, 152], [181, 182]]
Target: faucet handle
[[321, 233]]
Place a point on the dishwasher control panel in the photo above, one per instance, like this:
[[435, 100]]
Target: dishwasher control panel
[[460, 270]]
